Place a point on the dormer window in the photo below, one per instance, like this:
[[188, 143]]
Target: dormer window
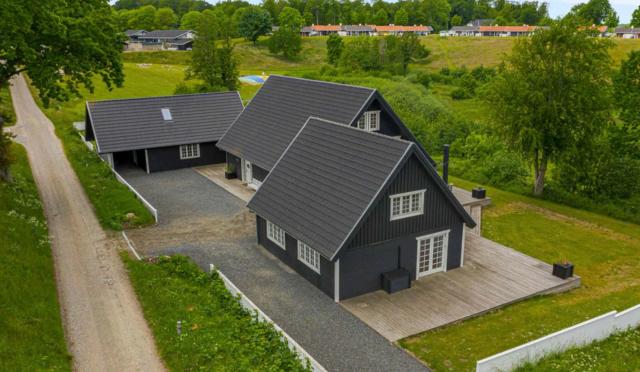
[[369, 121], [166, 114]]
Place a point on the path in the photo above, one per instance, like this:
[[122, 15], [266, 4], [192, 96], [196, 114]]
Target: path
[[104, 325]]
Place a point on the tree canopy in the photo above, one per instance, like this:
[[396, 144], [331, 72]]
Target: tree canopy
[[253, 22], [553, 94], [62, 45], [635, 17], [286, 39]]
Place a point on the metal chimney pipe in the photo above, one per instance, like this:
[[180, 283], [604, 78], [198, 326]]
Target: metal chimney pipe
[[445, 165]]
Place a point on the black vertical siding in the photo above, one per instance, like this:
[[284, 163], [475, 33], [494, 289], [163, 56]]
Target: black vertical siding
[[387, 125], [258, 173], [167, 158], [438, 215], [324, 280], [236, 163]]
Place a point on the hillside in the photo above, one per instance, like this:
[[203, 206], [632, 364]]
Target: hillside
[[445, 52]]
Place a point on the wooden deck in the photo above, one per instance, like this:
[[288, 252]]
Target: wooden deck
[[492, 276], [215, 173]]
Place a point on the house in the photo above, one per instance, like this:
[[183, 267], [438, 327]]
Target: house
[[357, 30], [399, 30], [481, 22], [161, 133], [133, 35], [347, 208], [628, 32], [264, 129], [506, 31], [168, 39], [465, 31], [320, 30]]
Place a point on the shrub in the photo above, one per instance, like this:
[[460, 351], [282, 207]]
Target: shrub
[[423, 79], [461, 93]]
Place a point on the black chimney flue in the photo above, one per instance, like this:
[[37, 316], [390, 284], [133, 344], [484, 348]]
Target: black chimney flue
[[445, 165]]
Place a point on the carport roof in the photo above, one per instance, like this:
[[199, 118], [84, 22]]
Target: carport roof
[[133, 124]]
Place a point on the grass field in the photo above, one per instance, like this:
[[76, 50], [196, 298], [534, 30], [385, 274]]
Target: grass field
[[604, 250], [6, 107], [31, 335], [619, 352], [217, 333]]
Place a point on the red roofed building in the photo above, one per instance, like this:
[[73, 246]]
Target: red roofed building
[[399, 30]]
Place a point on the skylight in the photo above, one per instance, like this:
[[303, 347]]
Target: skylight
[[166, 114]]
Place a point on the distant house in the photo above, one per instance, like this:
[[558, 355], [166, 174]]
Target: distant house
[[628, 32], [357, 30], [464, 31], [161, 133], [507, 31], [347, 208], [262, 132], [399, 30], [321, 30], [481, 22], [168, 39], [133, 35]]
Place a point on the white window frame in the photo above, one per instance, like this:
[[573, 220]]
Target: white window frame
[[190, 151], [365, 122], [277, 235], [410, 197], [445, 250], [309, 256]]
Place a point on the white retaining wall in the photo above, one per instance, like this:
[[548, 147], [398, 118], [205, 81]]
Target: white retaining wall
[[584, 333], [144, 201], [249, 305]]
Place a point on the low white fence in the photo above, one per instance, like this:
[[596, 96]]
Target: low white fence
[[249, 305], [144, 201], [581, 334]]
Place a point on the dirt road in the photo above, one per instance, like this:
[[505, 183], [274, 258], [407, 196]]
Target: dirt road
[[103, 321]]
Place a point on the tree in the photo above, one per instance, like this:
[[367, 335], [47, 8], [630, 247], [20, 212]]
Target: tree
[[253, 23], [456, 20], [612, 19], [626, 83], [225, 59], [286, 39], [401, 17], [61, 44], [436, 13], [400, 51], [334, 49], [165, 19], [381, 17], [553, 95], [593, 12], [204, 56], [635, 18], [6, 156], [190, 20], [143, 18]]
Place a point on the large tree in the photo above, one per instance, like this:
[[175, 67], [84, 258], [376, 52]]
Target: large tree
[[594, 11], [627, 90], [286, 39], [62, 45], [142, 18], [553, 94], [334, 49], [635, 18], [253, 23], [436, 13], [189, 21], [165, 19]]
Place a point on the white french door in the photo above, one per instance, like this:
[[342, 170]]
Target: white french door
[[247, 171], [432, 253]]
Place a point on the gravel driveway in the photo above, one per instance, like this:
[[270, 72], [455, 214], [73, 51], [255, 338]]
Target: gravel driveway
[[104, 326], [335, 338]]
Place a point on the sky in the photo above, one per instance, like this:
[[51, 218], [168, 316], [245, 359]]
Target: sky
[[624, 8]]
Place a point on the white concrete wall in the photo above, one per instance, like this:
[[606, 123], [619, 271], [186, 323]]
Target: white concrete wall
[[584, 333]]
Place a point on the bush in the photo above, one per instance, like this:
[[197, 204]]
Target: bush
[[423, 79], [461, 93]]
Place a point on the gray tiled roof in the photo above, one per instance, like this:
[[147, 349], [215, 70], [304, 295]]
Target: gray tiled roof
[[164, 34], [465, 28], [281, 107], [325, 182], [627, 30], [135, 32], [130, 124], [357, 28]]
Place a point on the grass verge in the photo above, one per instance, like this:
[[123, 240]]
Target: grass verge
[[217, 333], [6, 107], [619, 352], [31, 335], [604, 250]]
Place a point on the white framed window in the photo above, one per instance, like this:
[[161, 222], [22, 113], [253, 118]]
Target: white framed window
[[407, 204], [190, 151], [166, 114], [309, 256], [276, 235], [369, 121]]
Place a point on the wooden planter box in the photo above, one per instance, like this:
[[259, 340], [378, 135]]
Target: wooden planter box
[[563, 271]]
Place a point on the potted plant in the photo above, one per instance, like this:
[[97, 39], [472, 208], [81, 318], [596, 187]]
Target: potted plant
[[563, 269], [230, 171]]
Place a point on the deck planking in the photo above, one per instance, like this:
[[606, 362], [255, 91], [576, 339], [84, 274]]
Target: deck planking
[[493, 276], [215, 173]]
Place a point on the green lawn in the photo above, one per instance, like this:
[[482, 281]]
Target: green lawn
[[604, 250], [6, 107], [217, 333], [617, 353], [31, 335]]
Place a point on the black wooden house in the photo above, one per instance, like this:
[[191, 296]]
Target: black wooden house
[[161, 133], [345, 207]]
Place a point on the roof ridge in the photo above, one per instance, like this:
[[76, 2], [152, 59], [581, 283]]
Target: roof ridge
[[380, 135], [324, 81], [167, 96]]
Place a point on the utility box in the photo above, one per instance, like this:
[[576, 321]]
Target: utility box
[[396, 280]]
